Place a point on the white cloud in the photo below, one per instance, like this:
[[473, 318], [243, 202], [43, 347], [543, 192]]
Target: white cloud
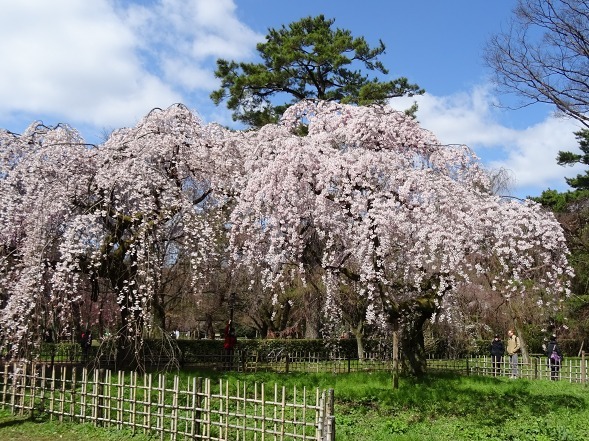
[[529, 153], [532, 157], [107, 63], [181, 35], [75, 60]]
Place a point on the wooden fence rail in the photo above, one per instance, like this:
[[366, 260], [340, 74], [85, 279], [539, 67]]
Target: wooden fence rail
[[172, 408]]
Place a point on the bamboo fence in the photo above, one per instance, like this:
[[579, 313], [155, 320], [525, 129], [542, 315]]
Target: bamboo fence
[[573, 370], [168, 407]]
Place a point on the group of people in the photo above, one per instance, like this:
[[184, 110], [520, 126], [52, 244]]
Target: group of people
[[498, 350]]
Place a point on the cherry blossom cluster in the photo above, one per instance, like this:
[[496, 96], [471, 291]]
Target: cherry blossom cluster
[[363, 196]]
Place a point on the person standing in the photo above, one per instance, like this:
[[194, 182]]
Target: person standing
[[86, 343], [513, 348], [229, 344], [497, 350], [554, 357]]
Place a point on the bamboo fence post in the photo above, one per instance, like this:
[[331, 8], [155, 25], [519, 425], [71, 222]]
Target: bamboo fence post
[[330, 416], [255, 411], [174, 416], [4, 385], [193, 408], [208, 409], [120, 398], [133, 400], [73, 396], [27, 385], [583, 368], [244, 411], [160, 405], [33, 389], [275, 416], [304, 408], [105, 393], [84, 394], [94, 398], [18, 382], [13, 389], [294, 410], [198, 405], [263, 400], [320, 403], [147, 403], [62, 393], [43, 387], [226, 409], [102, 392], [282, 416], [52, 394], [22, 389]]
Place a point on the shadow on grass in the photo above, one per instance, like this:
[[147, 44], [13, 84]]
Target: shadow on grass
[[10, 421]]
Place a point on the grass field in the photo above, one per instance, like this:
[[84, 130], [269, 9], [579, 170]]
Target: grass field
[[437, 408]]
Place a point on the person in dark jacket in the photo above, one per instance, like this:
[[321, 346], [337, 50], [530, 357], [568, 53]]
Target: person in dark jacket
[[555, 357], [497, 349], [86, 343], [229, 344]]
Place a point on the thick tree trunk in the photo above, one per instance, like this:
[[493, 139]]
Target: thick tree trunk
[[158, 317], [414, 346], [412, 341]]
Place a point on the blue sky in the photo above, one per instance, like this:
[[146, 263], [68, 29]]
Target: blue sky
[[103, 64]]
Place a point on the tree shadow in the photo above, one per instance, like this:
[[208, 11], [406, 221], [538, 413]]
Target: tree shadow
[[14, 421]]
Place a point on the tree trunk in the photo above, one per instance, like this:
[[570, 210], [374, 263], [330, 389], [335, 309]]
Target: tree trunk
[[158, 316], [358, 332], [312, 315], [210, 331], [396, 354], [414, 346], [129, 355]]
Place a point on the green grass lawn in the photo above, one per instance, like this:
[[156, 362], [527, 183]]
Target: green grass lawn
[[437, 408], [24, 429]]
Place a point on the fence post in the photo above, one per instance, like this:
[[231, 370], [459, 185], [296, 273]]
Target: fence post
[[583, 368], [43, 387], [535, 362], [22, 389], [13, 389], [100, 397], [73, 400], [467, 366], [330, 417], [5, 379], [198, 405]]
